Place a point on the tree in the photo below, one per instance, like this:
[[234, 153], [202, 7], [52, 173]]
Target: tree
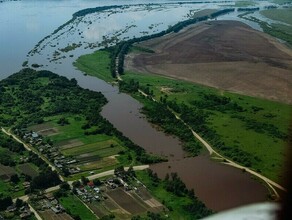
[[5, 201], [14, 178], [19, 203], [65, 186], [76, 184], [84, 180]]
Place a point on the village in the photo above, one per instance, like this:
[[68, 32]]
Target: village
[[51, 152]]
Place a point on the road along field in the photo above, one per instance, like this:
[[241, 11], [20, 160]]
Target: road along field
[[227, 55]]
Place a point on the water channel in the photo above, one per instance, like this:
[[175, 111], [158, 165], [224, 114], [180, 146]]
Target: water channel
[[218, 186]]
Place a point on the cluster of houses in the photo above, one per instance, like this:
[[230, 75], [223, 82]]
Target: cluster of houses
[[50, 202], [23, 212], [89, 193], [49, 151]]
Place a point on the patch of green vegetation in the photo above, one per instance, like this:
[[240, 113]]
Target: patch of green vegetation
[[139, 49], [181, 203], [284, 15], [70, 47], [101, 149], [96, 64], [249, 130], [75, 207]]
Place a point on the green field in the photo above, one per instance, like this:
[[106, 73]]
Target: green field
[[234, 128], [101, 149], [75, 207], [96, 64], [283, 15]]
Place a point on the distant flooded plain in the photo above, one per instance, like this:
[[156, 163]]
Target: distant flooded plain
[[218, 186]]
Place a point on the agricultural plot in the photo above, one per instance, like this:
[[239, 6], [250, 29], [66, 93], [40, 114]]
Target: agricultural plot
[[80, 152], [45, 129], [6, 172], [50, 215], [28, 169], [126, 201]]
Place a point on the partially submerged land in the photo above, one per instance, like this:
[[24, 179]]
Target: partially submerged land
[[239, 126], [58, 126]]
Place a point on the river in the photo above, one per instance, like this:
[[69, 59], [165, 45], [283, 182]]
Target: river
[[24, 23]]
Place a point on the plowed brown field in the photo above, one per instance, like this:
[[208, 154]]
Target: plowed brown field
[[223, 54]]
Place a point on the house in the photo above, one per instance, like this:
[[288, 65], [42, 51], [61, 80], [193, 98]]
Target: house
[[56, 210], [50, 196], [34, 135], [11, 208], [90, 184], [25, 214]]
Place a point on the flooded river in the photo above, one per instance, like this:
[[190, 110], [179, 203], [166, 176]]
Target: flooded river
[[218, 186]]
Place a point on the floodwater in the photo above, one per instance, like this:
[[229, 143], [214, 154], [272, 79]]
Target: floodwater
[[219, 186], [24, 23]]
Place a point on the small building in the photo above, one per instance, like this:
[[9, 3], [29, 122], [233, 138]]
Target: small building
[[90, 184], [54, 209], [34, 135]]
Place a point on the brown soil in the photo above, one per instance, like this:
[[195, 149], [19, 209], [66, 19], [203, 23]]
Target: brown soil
[[223, 54], [126, 201], [50, 215]]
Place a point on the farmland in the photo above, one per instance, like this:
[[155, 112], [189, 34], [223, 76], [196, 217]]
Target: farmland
[[93, 153], [211, 54]]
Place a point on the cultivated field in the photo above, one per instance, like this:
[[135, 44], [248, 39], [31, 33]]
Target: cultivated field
[[50, 215], [6, 172], [28, 169], [227, 55], [126, 201]]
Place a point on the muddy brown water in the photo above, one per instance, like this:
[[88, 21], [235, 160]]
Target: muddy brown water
[[219, 186]]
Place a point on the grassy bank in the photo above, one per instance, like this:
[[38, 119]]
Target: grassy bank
[[96, 64]]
